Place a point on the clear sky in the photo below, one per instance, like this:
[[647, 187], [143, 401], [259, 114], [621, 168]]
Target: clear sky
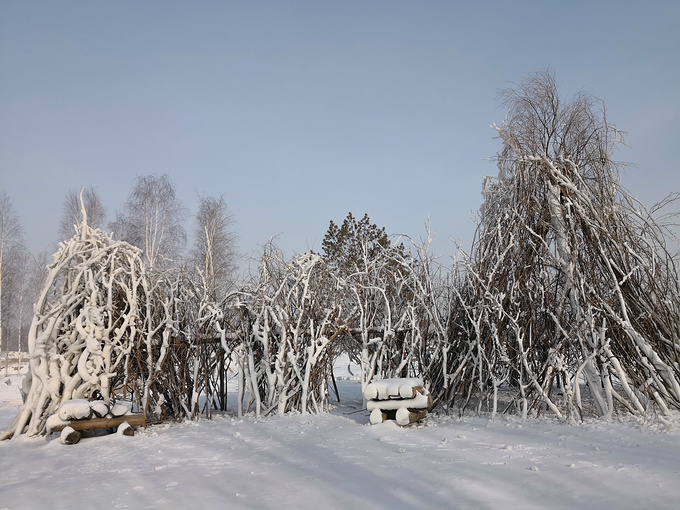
[[299, 112]]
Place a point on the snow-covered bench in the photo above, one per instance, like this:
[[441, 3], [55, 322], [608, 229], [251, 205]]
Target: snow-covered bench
[[403, 400], [77, 415]]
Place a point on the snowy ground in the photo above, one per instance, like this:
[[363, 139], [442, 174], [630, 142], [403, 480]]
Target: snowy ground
[[338, 461]]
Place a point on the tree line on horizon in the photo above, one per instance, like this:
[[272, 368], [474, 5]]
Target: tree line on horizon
[[568, 302]]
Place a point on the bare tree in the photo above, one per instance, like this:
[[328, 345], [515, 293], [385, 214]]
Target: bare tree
[[88, 328], [570, 280], [16, 296], [152, 219], [215, 249], [71, 211], [288, 321], [11, 233]]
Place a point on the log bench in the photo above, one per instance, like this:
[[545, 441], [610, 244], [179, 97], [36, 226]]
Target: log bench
[[77, 426], [403, 400], [134, 419]]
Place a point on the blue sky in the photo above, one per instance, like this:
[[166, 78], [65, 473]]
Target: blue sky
[[299, 112]]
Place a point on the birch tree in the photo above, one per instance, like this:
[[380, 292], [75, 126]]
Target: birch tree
[[570, 281], [71, 215], [214, 252], [11, 233], [152, 219], [17, 299]]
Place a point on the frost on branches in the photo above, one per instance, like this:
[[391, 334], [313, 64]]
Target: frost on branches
[[570, 301], [87, 323], [288, 318]]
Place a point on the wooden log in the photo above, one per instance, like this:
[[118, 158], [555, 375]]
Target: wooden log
[[119, 410], [377, 416], [420, 401], [406, 391], [386, 389], [407, 416], [99, 408], [70, 436], [135, 420], [125, 429], [417, 415]]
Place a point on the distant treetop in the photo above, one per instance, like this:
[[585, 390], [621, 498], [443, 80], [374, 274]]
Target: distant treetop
[[346, 248]]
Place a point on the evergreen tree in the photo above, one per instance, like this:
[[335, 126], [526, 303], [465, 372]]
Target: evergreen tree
[[348, 248]]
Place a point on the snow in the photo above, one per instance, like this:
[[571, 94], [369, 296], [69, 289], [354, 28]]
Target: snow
[[123, 428], [54, 422], [375, 417], [402, 416], [65, 434], [392, 388], [337, 461], [99, 408], [420, 401], [120, 409], [75, 409]]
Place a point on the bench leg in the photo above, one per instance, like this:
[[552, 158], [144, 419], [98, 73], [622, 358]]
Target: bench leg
[[70, 436]]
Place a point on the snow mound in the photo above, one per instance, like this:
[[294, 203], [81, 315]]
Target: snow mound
[[75, 409]]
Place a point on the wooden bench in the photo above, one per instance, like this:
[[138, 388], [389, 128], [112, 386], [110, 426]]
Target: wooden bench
[[403, 400], [73, 436]]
